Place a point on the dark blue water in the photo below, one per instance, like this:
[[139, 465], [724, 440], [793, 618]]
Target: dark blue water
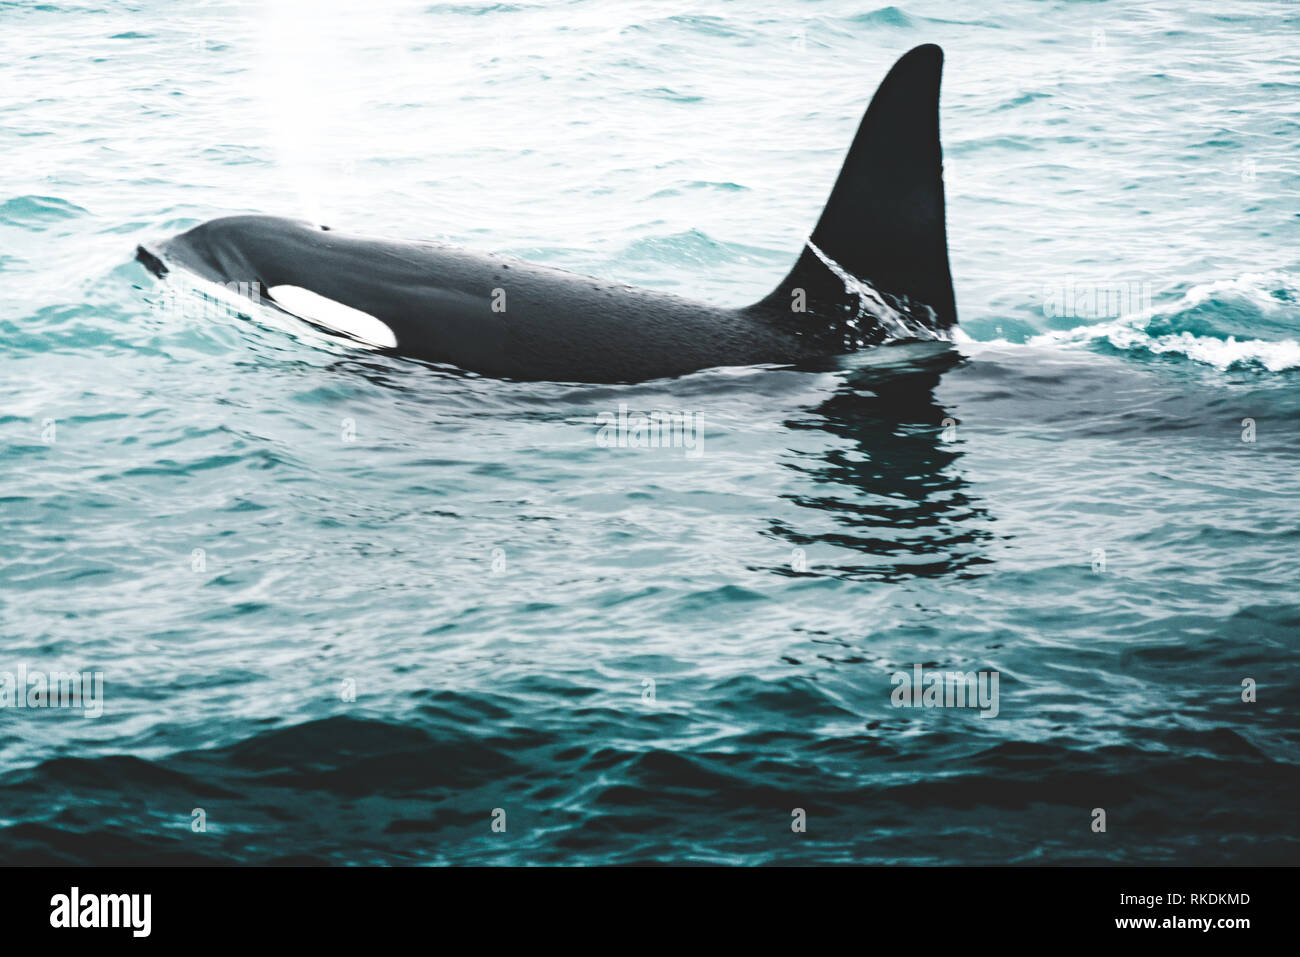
[[347, 607]]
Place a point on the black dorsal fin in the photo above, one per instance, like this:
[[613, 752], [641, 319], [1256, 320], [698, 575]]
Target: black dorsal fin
[[884, 221]]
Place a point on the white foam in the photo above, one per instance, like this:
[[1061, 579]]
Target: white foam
[[333, 315], [1275, 356], [1130, 332], [872, 303]]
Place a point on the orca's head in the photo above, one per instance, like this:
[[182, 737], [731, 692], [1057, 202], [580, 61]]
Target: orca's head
[[279, 262]]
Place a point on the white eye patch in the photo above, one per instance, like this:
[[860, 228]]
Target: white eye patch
[[327, 313]]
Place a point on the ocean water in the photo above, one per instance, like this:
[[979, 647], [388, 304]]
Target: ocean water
[[353, 609]]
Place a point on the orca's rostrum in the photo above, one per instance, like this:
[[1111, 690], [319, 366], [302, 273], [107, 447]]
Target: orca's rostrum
[[875, 268]]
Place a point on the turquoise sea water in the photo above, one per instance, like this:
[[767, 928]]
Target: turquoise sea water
[[637, 654]]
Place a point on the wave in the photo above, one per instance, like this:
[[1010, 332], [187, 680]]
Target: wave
[[588, 787], [1204, 323], [36, 212]]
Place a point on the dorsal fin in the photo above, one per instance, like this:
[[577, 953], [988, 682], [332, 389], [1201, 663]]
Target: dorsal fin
[[884, 221]]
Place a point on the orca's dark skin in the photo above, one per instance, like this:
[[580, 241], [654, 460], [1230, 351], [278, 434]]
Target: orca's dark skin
[[505, 318]]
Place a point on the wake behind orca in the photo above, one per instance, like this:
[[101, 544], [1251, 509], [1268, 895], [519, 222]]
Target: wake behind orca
[[874, 269]]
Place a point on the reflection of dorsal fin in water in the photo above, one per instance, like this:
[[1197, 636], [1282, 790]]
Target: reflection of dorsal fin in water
[[884, 221], [908, 373]]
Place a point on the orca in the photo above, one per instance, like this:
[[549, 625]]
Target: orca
[[874, 269]]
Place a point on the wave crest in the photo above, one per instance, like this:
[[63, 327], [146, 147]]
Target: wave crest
[[1196, 325]]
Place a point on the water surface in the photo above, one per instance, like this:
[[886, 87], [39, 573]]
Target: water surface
[[639, 654]]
